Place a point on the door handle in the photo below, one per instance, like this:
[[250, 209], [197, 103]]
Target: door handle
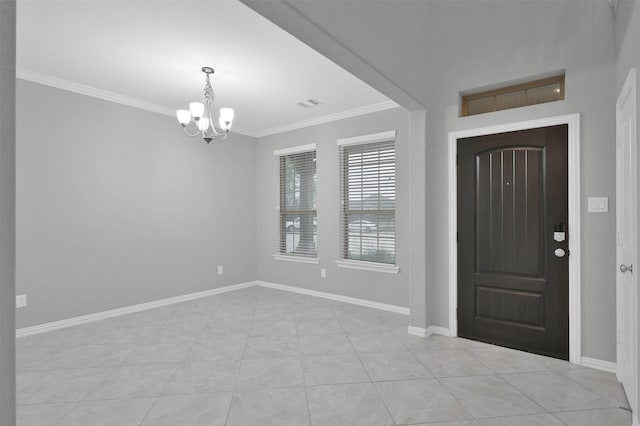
[[559, 252], [625, 268]]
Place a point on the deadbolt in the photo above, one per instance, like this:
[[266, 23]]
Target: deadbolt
[[559, 252]]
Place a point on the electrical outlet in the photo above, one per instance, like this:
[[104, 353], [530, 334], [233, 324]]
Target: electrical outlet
[[323, 273], [21, 301], [220, 270]]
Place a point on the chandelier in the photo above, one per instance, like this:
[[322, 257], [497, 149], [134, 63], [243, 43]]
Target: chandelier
[[200, 114]]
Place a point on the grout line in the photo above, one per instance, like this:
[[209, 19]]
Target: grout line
[[300, 358], [561, 373], [244, 350], [149, 410], [73, 406], [373, 384], [458, 400]]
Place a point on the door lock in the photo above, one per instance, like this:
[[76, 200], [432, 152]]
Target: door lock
[[559, 252], [559, 232], [625, 268]]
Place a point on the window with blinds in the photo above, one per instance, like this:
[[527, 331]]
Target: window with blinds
[[297, 220], [368, 192]]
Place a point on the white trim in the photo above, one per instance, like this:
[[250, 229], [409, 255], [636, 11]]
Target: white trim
[[105, 95], [337, 297], [417, 331], [298, 259], [368, 266], [69, 322], [70, 86], [82, 89], [368, 109], [432, 329], [598, 364], [442, 331], [56, 325], [371, 138], [295, 149], [573, 121]]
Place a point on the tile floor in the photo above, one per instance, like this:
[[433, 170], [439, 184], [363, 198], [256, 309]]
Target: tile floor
[[265, 357]]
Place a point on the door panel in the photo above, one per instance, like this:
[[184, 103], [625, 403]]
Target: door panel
[[509, 202], [512, 194], [627, 244]]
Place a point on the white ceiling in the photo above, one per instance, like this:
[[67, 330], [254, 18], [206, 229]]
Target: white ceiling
[[148, 53]]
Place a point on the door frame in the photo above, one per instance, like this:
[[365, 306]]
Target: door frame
[[573, 140]]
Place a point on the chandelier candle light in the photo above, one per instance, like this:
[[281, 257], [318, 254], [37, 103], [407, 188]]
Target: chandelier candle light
[[200, 112]]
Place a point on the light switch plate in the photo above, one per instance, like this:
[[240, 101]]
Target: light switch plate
[[323, 273], [21, 301], [598, 204], [220, 270]]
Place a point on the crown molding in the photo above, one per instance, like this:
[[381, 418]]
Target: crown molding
[[94, 92], [368, 109], [59, 83]]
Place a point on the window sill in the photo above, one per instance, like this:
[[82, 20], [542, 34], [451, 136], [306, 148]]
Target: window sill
[[368, 266], [299, 259]]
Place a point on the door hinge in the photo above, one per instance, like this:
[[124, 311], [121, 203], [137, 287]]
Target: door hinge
[[457, 237], [457, 159]]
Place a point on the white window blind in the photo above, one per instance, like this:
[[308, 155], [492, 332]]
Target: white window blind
[[297, 219], [368, 193]]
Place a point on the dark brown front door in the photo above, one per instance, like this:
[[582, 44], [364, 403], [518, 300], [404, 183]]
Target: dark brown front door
[[513, 290]]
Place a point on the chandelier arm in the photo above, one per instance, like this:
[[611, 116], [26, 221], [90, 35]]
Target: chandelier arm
[[219, 133], [221, 136], [189, 134]]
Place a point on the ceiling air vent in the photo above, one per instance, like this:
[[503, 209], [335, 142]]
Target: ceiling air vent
[[308, 103]]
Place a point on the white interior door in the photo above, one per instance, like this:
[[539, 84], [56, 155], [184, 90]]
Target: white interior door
[[626, 222]]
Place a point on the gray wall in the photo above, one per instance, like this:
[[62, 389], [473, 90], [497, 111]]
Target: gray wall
[[580, 41], [432, 50], [627, 39], [376, 286], [7, 212], [116, 206]]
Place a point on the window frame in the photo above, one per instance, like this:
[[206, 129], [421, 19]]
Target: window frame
[[281, 232], [345, 262]]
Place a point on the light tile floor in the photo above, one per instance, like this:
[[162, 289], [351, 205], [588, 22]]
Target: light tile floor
[[265, 357]]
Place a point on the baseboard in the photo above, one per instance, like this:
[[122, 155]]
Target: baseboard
[[424, 332], [56, 325], [598, 364], [417, 331], [337, 297], [69, 322], [434, 329]]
